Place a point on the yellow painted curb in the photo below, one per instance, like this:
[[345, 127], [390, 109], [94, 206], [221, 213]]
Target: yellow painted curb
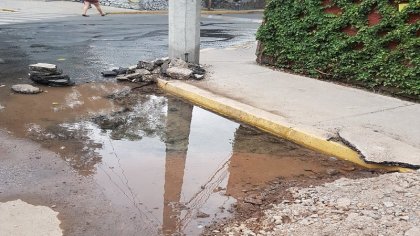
[[275, 128], [7, 10], [203, 12]]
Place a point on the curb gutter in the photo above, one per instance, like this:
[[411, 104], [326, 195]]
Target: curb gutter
[[267, 122]]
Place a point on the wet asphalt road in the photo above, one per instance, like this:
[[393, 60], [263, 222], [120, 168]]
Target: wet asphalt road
[[83, 47]]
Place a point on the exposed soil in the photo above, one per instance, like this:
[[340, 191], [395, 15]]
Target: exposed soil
[[255, 201]]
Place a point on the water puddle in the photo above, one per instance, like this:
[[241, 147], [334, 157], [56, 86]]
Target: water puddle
[[176, 167]]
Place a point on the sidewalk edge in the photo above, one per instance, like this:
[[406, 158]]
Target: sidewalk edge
[[226, 107]]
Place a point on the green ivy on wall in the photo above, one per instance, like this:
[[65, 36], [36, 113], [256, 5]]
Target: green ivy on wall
[[302, 36]]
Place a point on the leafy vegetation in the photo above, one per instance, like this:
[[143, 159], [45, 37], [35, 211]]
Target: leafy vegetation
[[365, 42]]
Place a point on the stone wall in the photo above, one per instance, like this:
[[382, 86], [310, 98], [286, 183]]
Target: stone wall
[[128, 4]]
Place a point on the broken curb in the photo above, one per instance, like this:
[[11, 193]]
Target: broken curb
[[267, 122]]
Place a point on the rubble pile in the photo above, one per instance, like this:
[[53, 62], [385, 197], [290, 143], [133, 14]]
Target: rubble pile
[[150, 71], [48, 74]]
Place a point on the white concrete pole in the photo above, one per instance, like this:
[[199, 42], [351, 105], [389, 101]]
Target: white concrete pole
[[184, 30]]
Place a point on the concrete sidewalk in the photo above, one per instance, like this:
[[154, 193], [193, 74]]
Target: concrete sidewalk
[[52, 7], [345, 122]]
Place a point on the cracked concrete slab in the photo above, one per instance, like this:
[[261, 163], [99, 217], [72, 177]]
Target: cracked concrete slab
[[20, 218], [379, 148]]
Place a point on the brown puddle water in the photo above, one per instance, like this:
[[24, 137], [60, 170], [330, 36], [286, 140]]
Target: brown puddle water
[[178, 166]]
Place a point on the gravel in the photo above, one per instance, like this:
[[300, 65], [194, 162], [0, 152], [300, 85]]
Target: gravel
[[384, 205]]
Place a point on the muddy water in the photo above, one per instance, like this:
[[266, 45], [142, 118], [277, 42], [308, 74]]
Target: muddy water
[[175, 167]]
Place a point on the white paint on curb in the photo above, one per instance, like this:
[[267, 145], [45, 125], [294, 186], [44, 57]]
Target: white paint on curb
[[23, 219]]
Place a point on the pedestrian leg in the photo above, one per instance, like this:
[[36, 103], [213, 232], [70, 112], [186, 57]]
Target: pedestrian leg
[[85, 8], [98, 7]]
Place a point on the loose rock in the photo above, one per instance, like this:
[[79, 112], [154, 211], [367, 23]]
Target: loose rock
[[164, 67], [150, 71], [48, 74], [344, 207], [109, 73], [201, 214], [198, 77], [178, 63], [121, 71], [146, 65], [49, 69], [51, 80], [135, 77], [142, 72], [26, 89], [179, 73]]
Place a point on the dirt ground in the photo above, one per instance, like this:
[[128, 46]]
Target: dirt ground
[[254, 202], [342, 207]]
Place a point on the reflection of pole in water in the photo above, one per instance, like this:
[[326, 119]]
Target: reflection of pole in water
[[177, 134]]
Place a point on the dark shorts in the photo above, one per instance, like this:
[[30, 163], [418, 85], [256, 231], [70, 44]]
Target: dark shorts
[[92, 1]]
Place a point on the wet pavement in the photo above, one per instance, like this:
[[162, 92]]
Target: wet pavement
[[83, 47], [167, 166], [112, 160]]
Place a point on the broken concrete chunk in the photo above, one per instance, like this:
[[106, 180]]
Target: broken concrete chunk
[[142, 72], [42, 74], [178, 63], [164, 67], [146, 65], [109, 73], [158, 62], [44, 67], [197, 69], [121, 70], [156, 70], [60, 82], [52, 80], [122, 78], [151, 77], [131, 69], [130, 77], [179, 73], [43, 79], [198, 77], [26, 89]]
